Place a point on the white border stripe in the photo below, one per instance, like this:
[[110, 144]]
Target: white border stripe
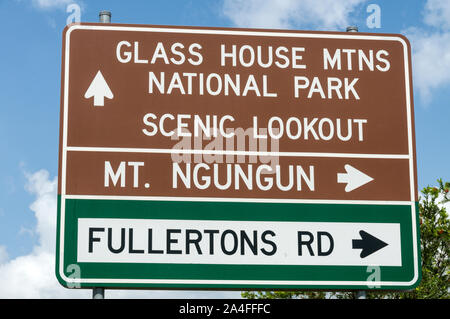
[[238, 200], [65, 149], [226, 152], [236, 282]]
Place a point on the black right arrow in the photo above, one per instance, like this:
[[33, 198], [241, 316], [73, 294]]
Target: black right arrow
[[368, 243]]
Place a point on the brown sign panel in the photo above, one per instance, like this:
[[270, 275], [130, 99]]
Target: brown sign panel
[[94, 173], [170, 111]]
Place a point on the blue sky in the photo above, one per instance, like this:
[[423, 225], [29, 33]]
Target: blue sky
[[30, 66]]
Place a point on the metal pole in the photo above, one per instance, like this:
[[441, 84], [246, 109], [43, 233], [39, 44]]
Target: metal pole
[[352, 28], [105, 16], [359, 294], [98, 292]]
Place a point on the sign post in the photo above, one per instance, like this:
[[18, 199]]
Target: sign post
[[104, 17], [236, 159]]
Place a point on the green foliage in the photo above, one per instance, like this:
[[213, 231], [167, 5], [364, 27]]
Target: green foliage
[[283, 294], [435, 252]]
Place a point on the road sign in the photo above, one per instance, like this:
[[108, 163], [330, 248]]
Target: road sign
[[236, 158]]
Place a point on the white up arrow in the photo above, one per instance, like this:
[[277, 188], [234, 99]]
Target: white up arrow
[[353, 178], [99, 89]]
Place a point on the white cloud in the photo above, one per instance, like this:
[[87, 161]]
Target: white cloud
[[431, 61], [431, 50], [325, 14], [437, 13], [44, 207], [447, 207], [32, 276], [51, 4], [3, 254], [443, 204]]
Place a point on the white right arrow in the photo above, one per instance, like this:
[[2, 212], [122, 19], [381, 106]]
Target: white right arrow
[[353, 178], [99, 89]]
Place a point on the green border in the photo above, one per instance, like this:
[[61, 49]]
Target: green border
[[236, 211]]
